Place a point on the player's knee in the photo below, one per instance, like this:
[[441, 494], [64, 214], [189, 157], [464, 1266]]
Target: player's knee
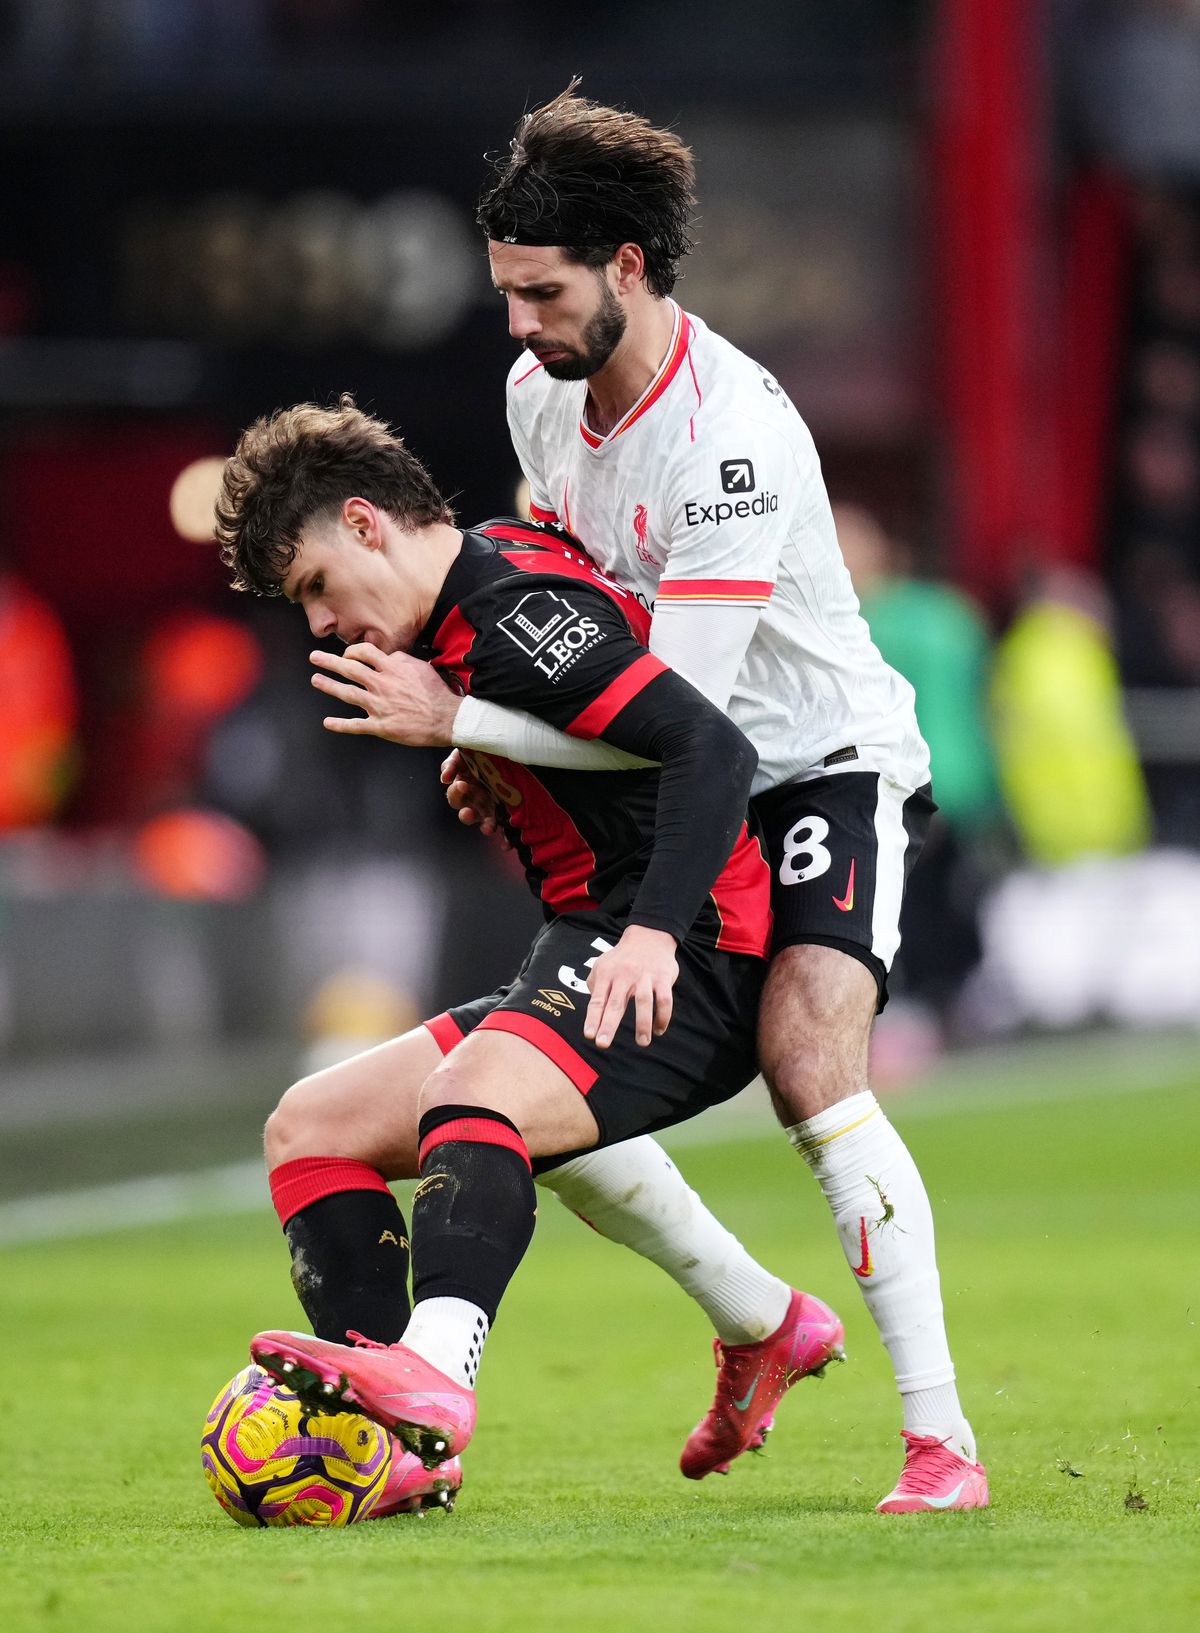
[[450, 1084], [547, 1122], [794, 1043], [814, 1029], [295, 1128], [810, 1025], [818, 993]]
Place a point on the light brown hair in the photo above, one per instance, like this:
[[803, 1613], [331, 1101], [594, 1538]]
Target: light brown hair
[[302, 463]]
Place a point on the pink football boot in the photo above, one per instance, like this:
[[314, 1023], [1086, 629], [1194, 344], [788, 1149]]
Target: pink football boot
[[432, 1416], [411, 1486], [752, 1379], [934, 1477]]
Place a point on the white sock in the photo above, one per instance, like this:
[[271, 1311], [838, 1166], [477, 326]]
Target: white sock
[[927, 1411], [448, 1333], [634, 1194], [885, 1225]]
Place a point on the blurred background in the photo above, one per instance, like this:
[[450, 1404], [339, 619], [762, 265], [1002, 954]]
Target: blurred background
[[964, 234]]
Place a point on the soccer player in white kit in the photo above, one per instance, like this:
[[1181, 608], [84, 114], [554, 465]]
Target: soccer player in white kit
[[687, 474]]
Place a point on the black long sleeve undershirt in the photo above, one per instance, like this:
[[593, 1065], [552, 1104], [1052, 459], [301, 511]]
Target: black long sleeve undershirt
[[705, 763], [707, 768]]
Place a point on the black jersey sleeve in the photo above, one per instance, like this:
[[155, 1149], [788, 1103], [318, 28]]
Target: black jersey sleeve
[[563, 651]]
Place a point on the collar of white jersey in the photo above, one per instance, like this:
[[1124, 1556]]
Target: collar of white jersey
[[681, 338]]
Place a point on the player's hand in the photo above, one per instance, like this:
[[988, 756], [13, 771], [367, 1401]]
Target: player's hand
[[642, 966], [474, 804], [402, 699]]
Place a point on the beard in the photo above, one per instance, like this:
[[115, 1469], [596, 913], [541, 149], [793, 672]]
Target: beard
[[601, 336]]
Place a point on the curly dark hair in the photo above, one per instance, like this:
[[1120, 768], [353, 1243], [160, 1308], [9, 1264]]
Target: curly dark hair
[[588, 179], [301, 463]]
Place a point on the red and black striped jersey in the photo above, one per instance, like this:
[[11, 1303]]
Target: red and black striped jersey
[[526, 620]]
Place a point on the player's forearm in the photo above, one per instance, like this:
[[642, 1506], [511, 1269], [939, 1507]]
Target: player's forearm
[[516, 735], [707, 769]]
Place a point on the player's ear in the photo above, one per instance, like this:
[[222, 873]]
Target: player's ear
[[630, 266], [362, 518]]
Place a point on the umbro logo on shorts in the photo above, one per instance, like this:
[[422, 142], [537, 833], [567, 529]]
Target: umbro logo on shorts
[[553, 999]]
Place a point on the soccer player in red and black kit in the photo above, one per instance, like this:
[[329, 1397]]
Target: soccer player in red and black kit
[[655, 891]]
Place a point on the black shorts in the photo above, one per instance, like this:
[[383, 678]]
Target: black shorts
[[706, 1055], [841, 848]]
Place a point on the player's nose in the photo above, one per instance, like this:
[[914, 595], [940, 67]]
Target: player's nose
[[321, 622], [522, 319]]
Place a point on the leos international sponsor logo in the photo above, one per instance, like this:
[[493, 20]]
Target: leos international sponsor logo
[[551, 631], [535, 618]]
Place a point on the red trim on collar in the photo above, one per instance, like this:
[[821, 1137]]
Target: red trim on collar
[[681, 341]]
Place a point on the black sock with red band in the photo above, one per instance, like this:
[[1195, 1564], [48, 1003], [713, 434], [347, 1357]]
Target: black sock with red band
[[349, 1247], [474, 1208]]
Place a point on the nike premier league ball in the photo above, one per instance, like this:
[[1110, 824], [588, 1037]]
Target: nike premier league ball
[[269, 1461]]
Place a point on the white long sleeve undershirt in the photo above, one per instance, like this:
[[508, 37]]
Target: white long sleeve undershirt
[[705, 645], [515, 735]]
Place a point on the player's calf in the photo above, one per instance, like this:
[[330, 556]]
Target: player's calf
[[473, 1216]]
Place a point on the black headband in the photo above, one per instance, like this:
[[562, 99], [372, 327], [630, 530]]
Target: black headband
[[558, 235], [560, 212]]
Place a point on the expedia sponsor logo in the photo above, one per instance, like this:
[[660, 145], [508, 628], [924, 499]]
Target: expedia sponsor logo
[[694, 513], [737, 476], [550, 998]]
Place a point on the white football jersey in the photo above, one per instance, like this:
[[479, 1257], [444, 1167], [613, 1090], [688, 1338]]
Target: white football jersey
[[709, 492]]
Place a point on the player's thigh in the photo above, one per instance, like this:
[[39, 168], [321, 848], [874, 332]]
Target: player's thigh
[[841, 848], [364, 1108], [504, 1072], [705, 1056]]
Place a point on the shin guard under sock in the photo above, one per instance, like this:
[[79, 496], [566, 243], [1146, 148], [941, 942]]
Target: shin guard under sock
[[349, 1247], [474, 1208], [885, 1223]]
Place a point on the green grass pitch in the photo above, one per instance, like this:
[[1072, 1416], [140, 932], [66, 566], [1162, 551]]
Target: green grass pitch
[[1067, 1231]]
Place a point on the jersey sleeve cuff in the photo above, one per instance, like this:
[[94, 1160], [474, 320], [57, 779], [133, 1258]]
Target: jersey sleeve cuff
[[755, 592], [604, 709], [655, 921]]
